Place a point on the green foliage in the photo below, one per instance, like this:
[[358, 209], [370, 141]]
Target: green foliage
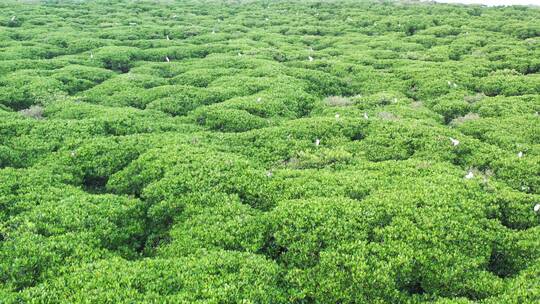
[[300, 228], [269, 152], [228, 225], [179, 99], [509, 84], [117, 58], [217, 276], [177, 170], [19, 91], [228, 120], [67, 231], [79, 78]]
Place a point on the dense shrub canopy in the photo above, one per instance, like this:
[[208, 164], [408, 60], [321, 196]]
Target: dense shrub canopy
[[276, 151]]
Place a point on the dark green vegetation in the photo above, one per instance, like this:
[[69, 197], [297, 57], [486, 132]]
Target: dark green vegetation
[[269, 152]]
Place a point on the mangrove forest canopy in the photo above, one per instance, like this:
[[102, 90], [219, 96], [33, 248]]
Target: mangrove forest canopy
[[269, 152]]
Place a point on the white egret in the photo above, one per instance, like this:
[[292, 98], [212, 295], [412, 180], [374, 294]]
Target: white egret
[[317, 142], [520, 154], [365, 115], [310, 58], [167, 59], [469, 175], [536, 208], [455, 142]]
